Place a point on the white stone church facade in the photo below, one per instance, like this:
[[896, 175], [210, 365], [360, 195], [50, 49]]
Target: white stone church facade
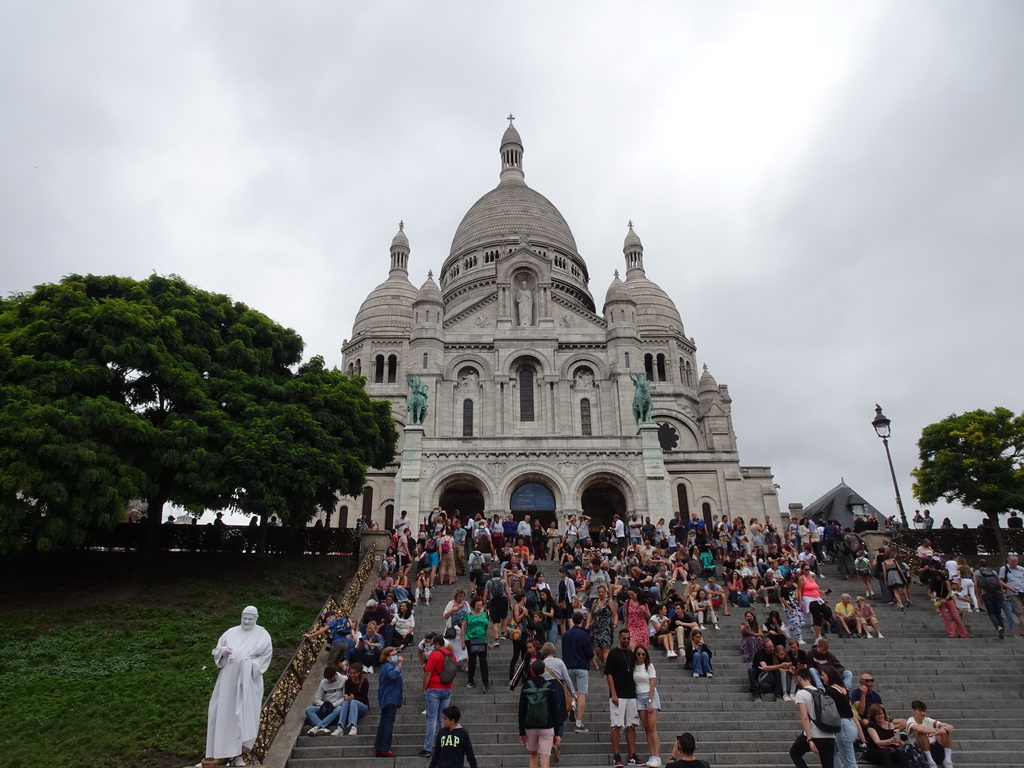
[[528, 381]]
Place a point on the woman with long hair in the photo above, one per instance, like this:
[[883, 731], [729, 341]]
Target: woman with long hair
[[698, 655], [405, 626], [750, 637], [648, 704], [637, 616], [604, 621], [474, 633], [454, 616]]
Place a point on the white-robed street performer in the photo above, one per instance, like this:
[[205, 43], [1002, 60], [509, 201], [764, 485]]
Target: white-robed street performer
[[243, 654]]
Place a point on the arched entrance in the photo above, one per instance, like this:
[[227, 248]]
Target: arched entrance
[[535, 500], [462, 498], [601, 501]]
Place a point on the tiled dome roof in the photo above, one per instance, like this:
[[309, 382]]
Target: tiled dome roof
[[511, 209], [389, 305]]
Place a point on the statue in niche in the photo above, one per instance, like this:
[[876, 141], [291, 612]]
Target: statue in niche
[[642, 403], [470, 381], [242, 655], [416, 402], [584, 380], [524, 300]]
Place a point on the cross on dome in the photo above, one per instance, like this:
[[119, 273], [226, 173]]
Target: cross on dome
[[401, 225], [510, 118]]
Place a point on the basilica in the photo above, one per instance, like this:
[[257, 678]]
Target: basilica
[[513, 390]]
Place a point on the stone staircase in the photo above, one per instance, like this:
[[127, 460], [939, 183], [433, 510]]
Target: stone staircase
[[977, 684]]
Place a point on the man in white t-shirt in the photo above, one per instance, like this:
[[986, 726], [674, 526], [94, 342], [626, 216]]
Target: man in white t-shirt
[[620, 534], [813, 739], [932, 737]]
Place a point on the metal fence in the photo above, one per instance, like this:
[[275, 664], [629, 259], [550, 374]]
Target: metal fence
[[971, 543], [228, 538]]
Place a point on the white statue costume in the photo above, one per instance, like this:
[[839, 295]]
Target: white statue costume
[[243, 654]]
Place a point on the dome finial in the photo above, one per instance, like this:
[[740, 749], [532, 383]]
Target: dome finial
[[630, 223], [510, 118], [401, 226]]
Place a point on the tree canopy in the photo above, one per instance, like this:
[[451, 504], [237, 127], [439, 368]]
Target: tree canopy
[[975, 459], [113, 389]]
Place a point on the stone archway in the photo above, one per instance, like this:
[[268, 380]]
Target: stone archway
[[535, 499], [462, 496], [602, 500]]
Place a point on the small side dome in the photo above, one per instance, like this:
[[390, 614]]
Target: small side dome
[[707, 384], [389, 306], [429, 292], [617, 292]]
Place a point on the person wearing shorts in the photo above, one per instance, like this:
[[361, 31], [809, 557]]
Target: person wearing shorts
[[578, 655], [618, 672], [540, 738]]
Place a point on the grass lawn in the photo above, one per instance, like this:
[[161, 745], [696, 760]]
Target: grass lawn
[[105, 658]]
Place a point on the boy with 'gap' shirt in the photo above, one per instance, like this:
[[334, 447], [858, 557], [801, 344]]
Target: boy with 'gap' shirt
[[452, 746]]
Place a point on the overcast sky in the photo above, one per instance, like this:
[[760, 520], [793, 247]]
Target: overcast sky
[[830, 191]]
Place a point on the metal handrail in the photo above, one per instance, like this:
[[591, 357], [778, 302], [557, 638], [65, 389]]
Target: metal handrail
[[278, 703]]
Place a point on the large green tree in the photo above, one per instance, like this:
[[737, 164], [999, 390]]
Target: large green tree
[[976, 459], [113, 389]]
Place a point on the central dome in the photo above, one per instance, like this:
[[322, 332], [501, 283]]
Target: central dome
[[509, 210]]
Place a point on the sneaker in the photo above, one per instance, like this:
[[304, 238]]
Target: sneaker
[[700, 627], [424, 753], [696, 675], [881, 636], [672, 654], [869, 636], [758, 699], [339, 731], [386, 754], [634, 759], [353, 731], [654, 761], [487, 686], [1002, 633], [368, 670], [581, 728], [617, 761], [314, 731], [471, 685], [717, 627], [495, 644], [711, 674]]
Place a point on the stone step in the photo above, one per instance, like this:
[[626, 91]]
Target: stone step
[[976, 683]]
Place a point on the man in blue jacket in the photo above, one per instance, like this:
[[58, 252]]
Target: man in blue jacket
[[578, 654]]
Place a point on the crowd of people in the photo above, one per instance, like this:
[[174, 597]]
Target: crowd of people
[[626, 593]]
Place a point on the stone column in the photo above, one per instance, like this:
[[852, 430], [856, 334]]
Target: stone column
[[407, 484], [659, 496]]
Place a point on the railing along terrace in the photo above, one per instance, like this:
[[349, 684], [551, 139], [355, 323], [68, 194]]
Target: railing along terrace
[[227, 538], [971, 543]]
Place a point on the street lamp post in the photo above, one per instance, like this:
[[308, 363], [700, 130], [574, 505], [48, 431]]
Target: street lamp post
[[881, 425]]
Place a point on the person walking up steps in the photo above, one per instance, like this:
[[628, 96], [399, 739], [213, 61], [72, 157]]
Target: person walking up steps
[[452, 748]]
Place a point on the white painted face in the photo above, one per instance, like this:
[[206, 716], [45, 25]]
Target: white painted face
[[248, 621]]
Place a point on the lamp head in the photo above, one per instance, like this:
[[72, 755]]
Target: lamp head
[[880, 423]]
